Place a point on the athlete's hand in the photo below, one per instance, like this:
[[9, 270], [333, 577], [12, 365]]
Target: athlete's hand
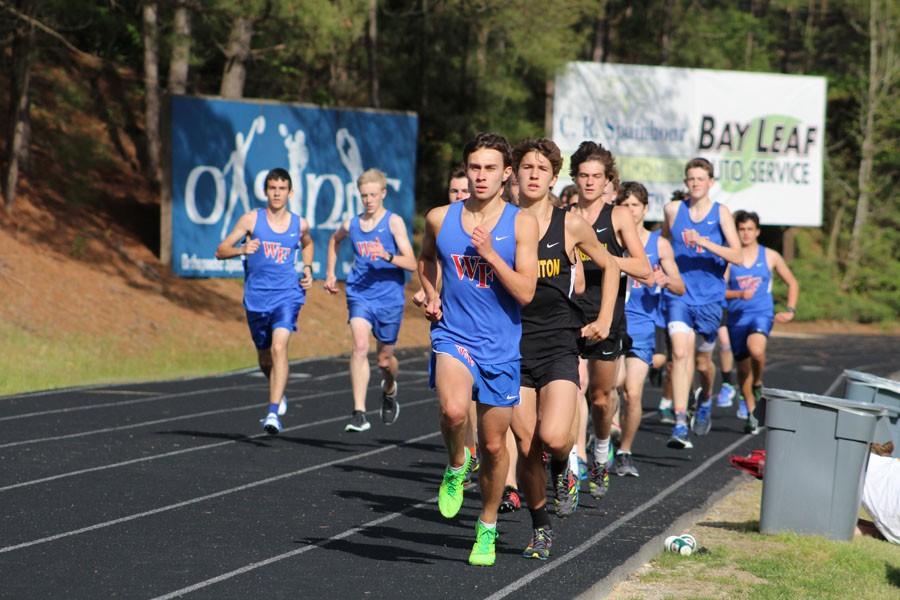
[[659, 277], [376, 250], [747, 294], [419, 298], [433, 310], [251, 246], [307, 280], [596, 331], [784, 317], [331, 284], [481, 240]]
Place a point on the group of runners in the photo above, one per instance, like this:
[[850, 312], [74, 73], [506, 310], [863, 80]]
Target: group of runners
[[535, 304]]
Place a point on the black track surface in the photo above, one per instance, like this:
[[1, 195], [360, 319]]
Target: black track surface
[[161, 489]]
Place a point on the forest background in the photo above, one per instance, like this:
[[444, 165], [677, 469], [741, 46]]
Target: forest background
[[464, 66]]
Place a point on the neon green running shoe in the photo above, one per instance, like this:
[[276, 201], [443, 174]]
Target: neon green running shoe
[[483, 554], [450, 496]]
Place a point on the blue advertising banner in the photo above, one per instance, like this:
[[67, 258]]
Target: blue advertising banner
[[223, 149]]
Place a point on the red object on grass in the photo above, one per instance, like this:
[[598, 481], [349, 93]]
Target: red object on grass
[[754, 463]]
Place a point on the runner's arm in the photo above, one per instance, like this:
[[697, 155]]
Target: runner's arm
[[405, 258], [428, 263], [586, 241], [333, 243], [243, 228], [636, 263], [521, 281], [732, 250], [307, 251], [670, 278], [779, 265]]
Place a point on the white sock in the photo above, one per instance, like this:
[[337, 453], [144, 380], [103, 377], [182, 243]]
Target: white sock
[[665, 403], [488, 525], [601, 451], [573, 460]]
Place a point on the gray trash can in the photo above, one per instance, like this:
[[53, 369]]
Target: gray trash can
[[817, 449], [863, 387]]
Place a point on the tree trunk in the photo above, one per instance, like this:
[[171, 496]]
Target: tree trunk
[[868, 151], [372, 53], [236, 55], [789, 244], [549, 89], [598, 50], [20, 108], [831, 252], [665, 38], [151, 89], [181, 48]]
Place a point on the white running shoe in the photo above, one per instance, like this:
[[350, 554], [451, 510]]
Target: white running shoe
[[271, 424]]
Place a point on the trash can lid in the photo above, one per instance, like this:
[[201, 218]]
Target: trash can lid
[[873, 380], [858, 408]]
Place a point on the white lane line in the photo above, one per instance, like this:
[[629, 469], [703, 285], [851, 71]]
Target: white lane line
[[345, 534], [126, 402], [123, 392], [254, 406], [292, 553], [593, 540], [194, 449], [219, 494], [154, 398]]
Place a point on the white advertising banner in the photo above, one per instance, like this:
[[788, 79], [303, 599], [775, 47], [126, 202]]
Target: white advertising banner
[[764, 133]]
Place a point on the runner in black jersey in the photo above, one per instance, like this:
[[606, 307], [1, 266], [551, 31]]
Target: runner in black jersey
[[551, 327], [593, 168]]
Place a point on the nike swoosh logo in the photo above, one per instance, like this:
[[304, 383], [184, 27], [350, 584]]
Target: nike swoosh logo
[[554, 244], [508, 397], [605, 353], [501, 238], [381, 230], [601, 230], [758, 265], [710, 222]]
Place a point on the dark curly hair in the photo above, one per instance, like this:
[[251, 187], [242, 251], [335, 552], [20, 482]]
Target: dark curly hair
[[594, 151], [490, 141]]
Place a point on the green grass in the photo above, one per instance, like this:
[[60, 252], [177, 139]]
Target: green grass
[[812, 567], [65, 360], [789, 565]]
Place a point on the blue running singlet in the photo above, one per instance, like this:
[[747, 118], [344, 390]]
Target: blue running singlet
[[756, 277], [478, 313], [373, 280], [702, 271], [270, 278], [644, 302]]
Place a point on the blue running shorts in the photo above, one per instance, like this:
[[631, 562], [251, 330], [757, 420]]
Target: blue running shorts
[[494, 384], [702, 318], [282, 316], [741, 326], [385, 320]]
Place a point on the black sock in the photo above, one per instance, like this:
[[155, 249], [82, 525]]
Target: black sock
[[558, 467], [728, 377], [540, 518]]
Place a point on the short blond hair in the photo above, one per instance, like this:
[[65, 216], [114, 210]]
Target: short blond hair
[[372, 176]]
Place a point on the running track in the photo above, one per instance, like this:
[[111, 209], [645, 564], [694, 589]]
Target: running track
[[168, 489]]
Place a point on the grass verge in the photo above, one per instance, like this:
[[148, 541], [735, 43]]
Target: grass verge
[[739, 562], [71, 359]]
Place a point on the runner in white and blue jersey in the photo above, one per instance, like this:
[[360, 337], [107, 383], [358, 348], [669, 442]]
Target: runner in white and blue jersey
[[643, 315], [487, 252], [751, 309], [704, 240], [272, 294], [375, 298]]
